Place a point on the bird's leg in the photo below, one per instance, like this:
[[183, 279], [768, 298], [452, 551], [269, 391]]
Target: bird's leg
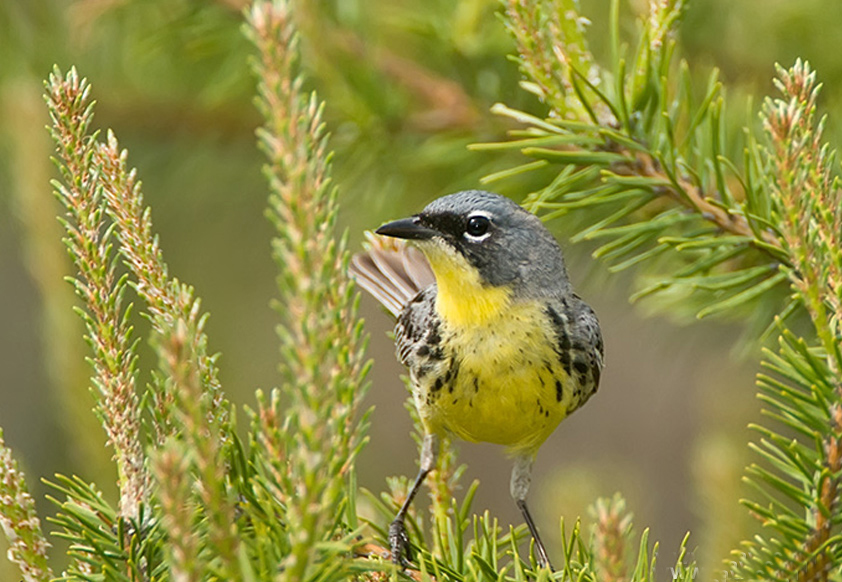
[[521, 479], [398, 539]]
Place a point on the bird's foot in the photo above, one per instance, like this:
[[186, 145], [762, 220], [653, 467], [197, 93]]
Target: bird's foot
[[399, 542]]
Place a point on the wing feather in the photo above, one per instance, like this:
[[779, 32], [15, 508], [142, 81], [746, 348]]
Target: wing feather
[[391, 271]]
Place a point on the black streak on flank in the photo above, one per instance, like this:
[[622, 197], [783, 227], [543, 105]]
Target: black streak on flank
[[453, 373], [438, 384], [560, 329], [565, 362], [563, 345], [563, 341], [582, 369], [434, 338], [558, 390]]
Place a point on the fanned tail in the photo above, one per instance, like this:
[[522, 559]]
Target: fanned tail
[[392, 271]]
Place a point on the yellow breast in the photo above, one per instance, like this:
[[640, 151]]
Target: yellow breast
[[511, 388]]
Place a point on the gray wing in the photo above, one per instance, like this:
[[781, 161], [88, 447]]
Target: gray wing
[[391, 271], [587, 334], [578, 345], [400, 278]]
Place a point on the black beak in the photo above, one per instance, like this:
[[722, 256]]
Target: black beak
[[409, 228]]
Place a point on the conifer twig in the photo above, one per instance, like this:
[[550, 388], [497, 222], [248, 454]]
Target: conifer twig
[[538, 42], [174, 309], [634, 147], [172, 471], [20, 522], [99, 186], [193, 390], [89, 243], [807, 199], [611, 537], [310, 446], [552, 48]]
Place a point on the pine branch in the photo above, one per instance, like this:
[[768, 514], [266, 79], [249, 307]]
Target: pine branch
[[804, 393], [612, 532], [174, 309], [310, 447], [102, 544], [190, 402], [443, 483], [89, 243], [551, 49], [20, 522], [172, 472], [808, 200], [653, 172], [800, 394]]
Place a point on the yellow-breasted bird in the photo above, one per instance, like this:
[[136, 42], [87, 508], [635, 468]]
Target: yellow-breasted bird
[[499, 348]]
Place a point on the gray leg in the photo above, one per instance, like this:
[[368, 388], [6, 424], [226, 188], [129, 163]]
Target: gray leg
[[521, 479], [397, 531]]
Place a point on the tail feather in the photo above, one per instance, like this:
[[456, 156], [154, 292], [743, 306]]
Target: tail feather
[[391, 271]]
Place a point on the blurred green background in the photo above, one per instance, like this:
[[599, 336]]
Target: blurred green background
[[408, 85]]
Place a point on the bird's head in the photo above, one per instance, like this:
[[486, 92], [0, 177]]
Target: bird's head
[[485, 251]]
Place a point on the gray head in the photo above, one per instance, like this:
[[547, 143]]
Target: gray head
[[507, 245]]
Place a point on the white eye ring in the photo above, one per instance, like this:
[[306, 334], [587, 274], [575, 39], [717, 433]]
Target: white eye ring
[[478, 227]]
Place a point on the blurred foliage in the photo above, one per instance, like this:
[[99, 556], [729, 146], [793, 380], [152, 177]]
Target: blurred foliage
[[172, 80]]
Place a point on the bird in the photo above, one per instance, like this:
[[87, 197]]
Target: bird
[[498, 346]]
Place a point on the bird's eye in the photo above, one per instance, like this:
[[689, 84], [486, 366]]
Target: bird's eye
[[477, 225]]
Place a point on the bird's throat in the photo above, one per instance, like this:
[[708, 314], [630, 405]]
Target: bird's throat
[[463, 299]]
